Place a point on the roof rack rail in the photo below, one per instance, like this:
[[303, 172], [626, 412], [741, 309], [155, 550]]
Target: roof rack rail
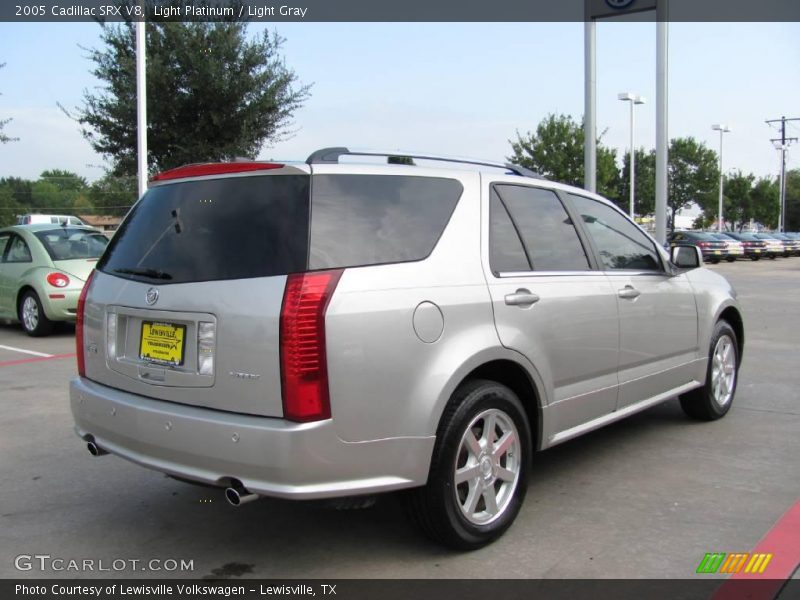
[[332, 155]]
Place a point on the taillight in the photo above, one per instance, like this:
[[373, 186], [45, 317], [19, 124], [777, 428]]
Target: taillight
[[57, 279], [304, 364], [703, 244], [79, 349]]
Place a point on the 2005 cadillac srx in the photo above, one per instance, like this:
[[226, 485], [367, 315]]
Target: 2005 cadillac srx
[[337, 328]]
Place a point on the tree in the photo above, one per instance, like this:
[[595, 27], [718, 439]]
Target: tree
[[793, 200], [555, 151], [737, 199], [112, 195], [766, 202], [693, 176], [211, 94], [645, 183], [9, 208], [3, 122]]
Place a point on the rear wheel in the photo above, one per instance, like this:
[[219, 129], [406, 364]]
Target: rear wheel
[[755, 257], [479, 470], [731, 259], [714, 399], [31, 315]]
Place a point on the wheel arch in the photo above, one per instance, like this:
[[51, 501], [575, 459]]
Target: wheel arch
[[521, 380], [734, 318]]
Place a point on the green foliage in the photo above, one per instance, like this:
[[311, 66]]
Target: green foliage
[[9, 208], [737, 199], [3, 122], [693, 176], [112, 195], [211, 94], [793, 200], [645, 183], [765, 201], [555, 151]]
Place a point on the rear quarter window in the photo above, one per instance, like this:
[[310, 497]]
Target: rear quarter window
[[360, 220]]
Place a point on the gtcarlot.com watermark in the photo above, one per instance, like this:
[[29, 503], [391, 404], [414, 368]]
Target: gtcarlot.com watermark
[[47, 562]]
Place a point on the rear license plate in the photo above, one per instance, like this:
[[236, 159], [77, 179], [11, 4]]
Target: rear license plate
[[162, 343], [758, 251], [717, 252]]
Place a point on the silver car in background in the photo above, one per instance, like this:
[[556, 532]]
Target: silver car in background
[[327, 330]]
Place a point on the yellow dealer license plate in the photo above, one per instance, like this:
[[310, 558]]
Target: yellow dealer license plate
[[162, 343]]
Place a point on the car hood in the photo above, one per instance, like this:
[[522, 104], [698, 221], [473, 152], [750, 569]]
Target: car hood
[[78, 268]]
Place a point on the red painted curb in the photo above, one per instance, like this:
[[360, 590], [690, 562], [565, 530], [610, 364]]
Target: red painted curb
[[22, 361]]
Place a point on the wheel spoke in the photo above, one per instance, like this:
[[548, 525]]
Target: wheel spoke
[[489, 425], [472, 444], [505, 474], [466, 473], [490, 499], [472, 498], [504, 443]]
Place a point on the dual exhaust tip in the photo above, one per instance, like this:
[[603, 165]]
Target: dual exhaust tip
[[235, 495]]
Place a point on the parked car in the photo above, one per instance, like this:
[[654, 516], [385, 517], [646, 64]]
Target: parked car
[[35, 219], [713, 249], [326, 329], [791, 246], [42, 272], [775, 247], [754, 248], [735, 247]]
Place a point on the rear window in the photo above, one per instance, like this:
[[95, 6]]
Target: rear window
[[213, 229], [71, 244], [259, 226], [359, 220]]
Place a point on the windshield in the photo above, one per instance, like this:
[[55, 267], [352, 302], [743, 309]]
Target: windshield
[[69, 244]]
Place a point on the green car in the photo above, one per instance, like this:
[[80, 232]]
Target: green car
[[42, 271]]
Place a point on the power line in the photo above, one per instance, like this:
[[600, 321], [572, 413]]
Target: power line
[[783, 141]]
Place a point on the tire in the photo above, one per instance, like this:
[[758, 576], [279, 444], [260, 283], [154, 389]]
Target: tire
[[755, 258], [463, 515], [714, 399], [31, 315], [731, 259]]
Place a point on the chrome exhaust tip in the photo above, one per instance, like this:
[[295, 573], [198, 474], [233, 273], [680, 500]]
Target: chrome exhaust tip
[[239, 496], [95, 450]]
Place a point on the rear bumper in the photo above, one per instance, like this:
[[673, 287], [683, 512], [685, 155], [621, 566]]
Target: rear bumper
[[61, 309], [267, 456]]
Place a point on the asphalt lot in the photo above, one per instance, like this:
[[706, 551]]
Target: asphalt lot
[[643, 498]]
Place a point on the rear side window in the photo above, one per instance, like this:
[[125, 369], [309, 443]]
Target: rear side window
[[71, 244], [213, 229], [360, 220], [544, 227]]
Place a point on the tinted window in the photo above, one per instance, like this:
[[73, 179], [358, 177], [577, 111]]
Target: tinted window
[[506, 253], [359, 220], [227, 228], [69, 244], [3, 243], [620, 243], [18, 251], [547, 232]]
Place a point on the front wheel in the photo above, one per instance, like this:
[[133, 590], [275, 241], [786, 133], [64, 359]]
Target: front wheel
[[31, 315], [714, 399], [479, 470]]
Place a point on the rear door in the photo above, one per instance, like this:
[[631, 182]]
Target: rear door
[[186, 302], [657, 310], [550, 304]]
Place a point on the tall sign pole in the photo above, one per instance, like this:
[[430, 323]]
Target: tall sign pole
[[662, 102], [590, 104], [141, 107]]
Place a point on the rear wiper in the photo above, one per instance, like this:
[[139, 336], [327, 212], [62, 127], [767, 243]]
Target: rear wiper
[[151, 273]]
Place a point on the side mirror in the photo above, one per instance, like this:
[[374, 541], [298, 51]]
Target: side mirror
[[686, 256]]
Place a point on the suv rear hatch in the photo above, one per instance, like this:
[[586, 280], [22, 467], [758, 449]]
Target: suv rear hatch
[[186, 303]]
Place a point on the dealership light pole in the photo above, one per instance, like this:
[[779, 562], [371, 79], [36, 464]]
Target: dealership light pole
[[633, 99], [722, 129], [141, 107]]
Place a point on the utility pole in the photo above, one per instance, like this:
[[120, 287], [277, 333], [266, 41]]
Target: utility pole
[[784, 141]]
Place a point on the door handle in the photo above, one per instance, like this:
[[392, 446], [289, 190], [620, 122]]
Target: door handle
[[521, 297], [629, 292]]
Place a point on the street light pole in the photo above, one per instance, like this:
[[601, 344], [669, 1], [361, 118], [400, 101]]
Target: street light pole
[[722, 129], [633, 99]]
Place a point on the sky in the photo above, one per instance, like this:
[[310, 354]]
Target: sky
[[449, 88]]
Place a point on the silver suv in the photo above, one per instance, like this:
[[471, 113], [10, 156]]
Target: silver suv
[[333, 329]]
